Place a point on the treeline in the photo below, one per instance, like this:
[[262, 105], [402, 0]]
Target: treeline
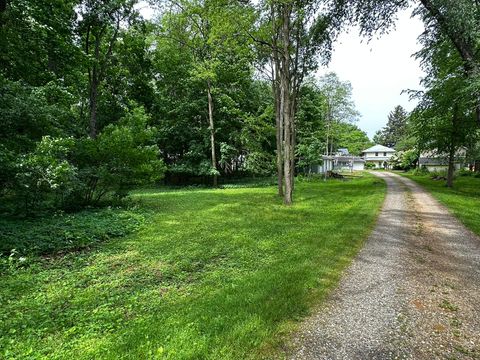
[[95, 100]]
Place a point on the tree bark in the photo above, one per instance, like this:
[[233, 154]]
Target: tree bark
[[212, 132], [279, 140], [93, 108], [452, 149], [451, 166], [94, 82], [277, 99], [286, 106]]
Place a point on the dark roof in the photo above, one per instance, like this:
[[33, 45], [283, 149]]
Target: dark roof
[[437, 160], [344, 158]]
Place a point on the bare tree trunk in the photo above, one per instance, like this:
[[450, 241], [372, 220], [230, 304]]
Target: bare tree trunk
[[294, 143], [451, 166], [278, 123], [279, 135], [451, 153], [212, 132], [93, 107], [278, 101], [94, 79], [287, 165], [286, 106]]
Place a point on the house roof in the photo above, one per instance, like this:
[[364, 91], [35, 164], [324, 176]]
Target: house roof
[[379, 148], [344, 158]]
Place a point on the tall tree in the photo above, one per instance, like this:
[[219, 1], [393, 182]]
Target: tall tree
[[99, 29], [395, 130], [215, 45], [339, 106], [299, 32], [444, 120]]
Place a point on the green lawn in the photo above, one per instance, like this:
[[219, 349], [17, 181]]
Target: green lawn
[[217, 274], [463, 200]]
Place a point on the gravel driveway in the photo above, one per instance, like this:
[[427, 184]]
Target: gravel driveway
[[413, 292]]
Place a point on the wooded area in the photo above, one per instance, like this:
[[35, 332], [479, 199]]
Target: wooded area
[[98, 102], [96, 99]]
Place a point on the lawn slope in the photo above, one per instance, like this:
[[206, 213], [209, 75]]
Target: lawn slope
[[217, 274]]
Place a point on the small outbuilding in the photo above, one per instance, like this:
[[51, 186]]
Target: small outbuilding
[[435, 162]]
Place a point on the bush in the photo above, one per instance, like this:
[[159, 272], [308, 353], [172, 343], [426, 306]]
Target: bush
[[465, 172], [369, 165], [45, 175], [437, 175], [420, 171], [123, 156]]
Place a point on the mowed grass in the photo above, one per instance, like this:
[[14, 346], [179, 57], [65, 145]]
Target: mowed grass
[[463, 200], [214, 274]]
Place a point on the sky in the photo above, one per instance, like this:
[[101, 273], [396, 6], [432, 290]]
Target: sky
[[379, 70]]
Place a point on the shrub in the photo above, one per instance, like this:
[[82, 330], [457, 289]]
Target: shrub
[[369, 165], [123, 156], [437, 175], [67, 173], [45, 174], [420, 171], [465, 172]]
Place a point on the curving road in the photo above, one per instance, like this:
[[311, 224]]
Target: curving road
[[413, 292]]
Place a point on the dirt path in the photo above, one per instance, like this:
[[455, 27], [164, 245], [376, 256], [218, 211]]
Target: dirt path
[[413, 292]]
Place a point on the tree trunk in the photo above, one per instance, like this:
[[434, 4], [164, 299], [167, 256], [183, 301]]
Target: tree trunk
[[451, 152], [277, 99], [477, 166], [294, 143], [212, 132], [279, 136], [94, 80], [278, 124], [451, 166], [93, 108], [286, 106], [287, 165]]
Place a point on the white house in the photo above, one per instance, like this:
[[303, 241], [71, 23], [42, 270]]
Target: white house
[[378, 155]]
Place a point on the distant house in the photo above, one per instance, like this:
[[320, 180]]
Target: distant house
[[434, 162], [378, 155], [341, 161]]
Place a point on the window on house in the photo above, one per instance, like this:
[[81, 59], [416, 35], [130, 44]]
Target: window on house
[[384, 154], [376, 154]]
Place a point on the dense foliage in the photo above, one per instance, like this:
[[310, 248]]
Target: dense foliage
[[96, 99]]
